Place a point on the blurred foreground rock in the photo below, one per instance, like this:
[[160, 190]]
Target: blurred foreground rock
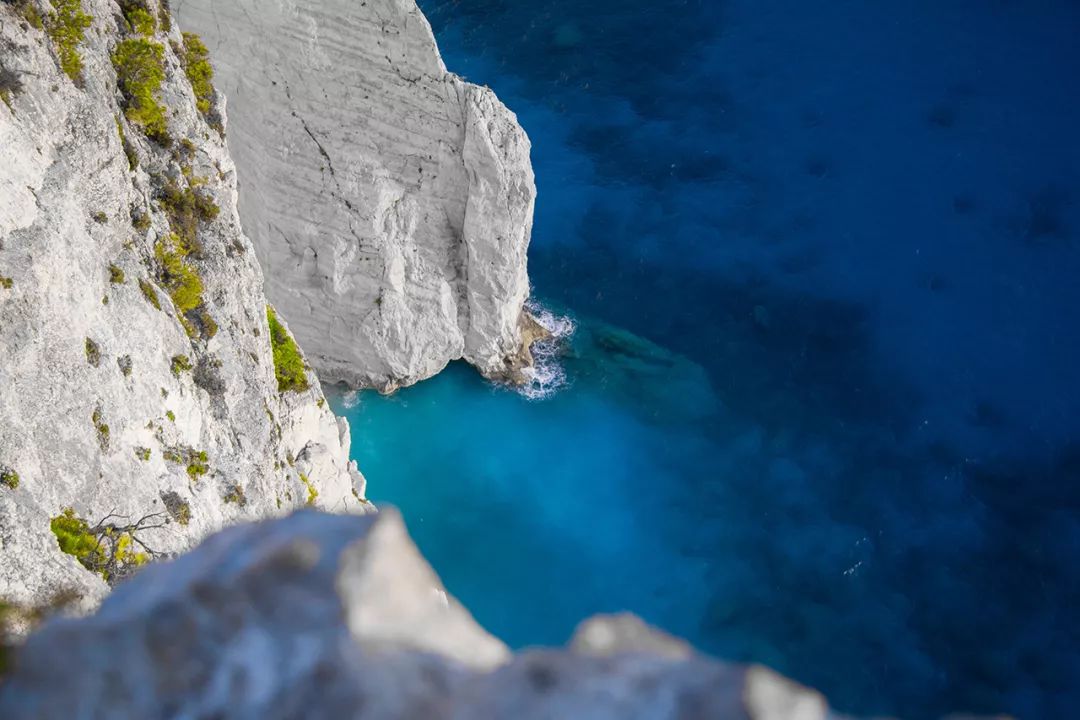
[[324, 616]]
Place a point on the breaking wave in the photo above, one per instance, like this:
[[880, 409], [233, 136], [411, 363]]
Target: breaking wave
[[547, 375]]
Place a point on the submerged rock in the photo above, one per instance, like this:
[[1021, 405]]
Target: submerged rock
[[390, 202]]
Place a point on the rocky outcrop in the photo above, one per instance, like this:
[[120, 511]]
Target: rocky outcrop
[[390, 202], [320, 616], [136, 374]]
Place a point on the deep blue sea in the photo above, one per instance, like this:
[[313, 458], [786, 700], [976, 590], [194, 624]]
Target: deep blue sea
[[822, 400]]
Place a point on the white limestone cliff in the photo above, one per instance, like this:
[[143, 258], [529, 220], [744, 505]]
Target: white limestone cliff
[[106, 403], [390, 202]]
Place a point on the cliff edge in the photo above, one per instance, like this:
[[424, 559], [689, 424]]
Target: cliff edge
[[148, 394], [390, 202]]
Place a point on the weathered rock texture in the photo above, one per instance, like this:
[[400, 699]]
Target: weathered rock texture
[[336, 617], [89, 401], [390, 202]]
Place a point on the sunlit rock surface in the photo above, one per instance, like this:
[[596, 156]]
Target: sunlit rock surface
[[93, 402], [390, 202]]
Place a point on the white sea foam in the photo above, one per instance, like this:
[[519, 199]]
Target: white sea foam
[[350, 399], [547, 375]]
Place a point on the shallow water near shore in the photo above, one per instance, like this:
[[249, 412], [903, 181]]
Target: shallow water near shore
[[822, 408]]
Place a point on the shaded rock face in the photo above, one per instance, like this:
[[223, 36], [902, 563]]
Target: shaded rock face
[[321, 616], [389, 201], [107, 404]]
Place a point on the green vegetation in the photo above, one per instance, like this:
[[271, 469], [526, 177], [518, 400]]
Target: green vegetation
[[149, 293], [312, 493], [196, 461], [129, 150], [196, 62], [74, 537], [180, 363], [66, 27], [6, 282], [106, 548], [31, 15], [143, 453], [9, 478], [140, 220], [171, 416], [186, 207], [116, 275], [125, 365], [235, 495], [197, 465], [288, 363], [10, 86], [140, 70], [93, 353], [140, 20], [181, 280], [100, 218], [102, 430], [177, 507], [165, 15]]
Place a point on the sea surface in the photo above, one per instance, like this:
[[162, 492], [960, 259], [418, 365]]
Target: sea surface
[[815, 399]]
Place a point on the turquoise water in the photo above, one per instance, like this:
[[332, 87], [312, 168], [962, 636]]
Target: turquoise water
[[850, 445]]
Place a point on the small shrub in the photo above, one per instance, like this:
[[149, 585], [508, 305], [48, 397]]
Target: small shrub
[[107, 549], [9, 478], [67, 27], [140, 20], [10, 86], [132, 158], [235, 495], [93, 353], [140, 220], [6, 282], [116, 275], [312, 493], [177, 507], [171, 416], [180, 363], [125, 364], [186, 208], [150, 294], [181, 280], [100, 218], [196, 461], [197, 465], [165, 15], [102, 430], [143, 453], [288, 363], [31, 15], [196, 62], [140, 70]]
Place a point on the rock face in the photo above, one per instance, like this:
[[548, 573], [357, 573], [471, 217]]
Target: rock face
[[113, 401], [390, 202], [336, 617]]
